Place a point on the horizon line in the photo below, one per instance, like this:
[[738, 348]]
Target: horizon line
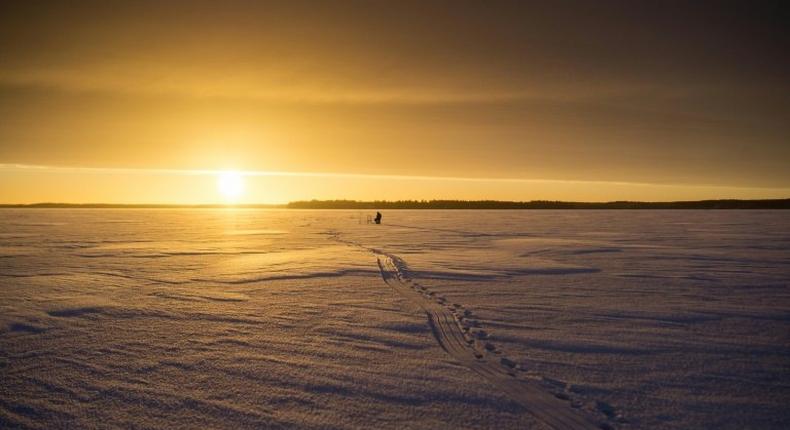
[[295, 204]]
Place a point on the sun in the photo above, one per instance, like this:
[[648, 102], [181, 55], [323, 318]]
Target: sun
[[230, 185]]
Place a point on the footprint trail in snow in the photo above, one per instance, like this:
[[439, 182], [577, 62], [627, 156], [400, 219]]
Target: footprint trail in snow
[[458, 335]]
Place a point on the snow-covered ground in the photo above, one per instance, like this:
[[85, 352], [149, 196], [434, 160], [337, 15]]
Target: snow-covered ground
[[434, 319]]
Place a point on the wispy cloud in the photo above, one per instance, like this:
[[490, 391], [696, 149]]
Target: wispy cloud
[[291, 87], [37, 168]]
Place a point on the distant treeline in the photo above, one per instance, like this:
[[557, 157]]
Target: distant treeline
[[441, 204], [537, 204]]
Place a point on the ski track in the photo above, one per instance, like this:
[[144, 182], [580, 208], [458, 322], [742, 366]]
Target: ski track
[[454, 330]]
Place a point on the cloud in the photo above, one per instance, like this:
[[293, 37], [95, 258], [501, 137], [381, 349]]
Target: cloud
[[34, 168], [180, 81]]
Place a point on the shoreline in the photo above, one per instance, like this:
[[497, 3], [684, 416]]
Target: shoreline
[[436, 204]]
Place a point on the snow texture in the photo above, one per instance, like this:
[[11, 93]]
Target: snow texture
[[434, 319]]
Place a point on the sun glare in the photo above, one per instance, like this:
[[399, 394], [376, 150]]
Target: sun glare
[[230, 185]]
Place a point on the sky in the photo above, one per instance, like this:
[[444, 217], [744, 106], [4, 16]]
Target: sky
[[145, 102]]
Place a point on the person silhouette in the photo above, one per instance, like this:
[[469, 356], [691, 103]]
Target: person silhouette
[[377, 220]]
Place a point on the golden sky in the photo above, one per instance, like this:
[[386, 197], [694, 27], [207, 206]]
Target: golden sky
[[143, 101]]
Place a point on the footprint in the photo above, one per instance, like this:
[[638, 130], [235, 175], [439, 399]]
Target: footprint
[[553, 385], [507, 362], [605, 409], [480, 334]]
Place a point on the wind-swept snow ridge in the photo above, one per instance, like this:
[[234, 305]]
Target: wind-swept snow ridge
[[452, 329]]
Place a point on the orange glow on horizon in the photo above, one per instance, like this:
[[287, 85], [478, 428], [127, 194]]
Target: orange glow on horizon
[[35, 184], [435, 101]]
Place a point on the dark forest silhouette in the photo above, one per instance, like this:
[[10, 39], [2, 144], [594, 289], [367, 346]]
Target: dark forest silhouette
[[537, 204]]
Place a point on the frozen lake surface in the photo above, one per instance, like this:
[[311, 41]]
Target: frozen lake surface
[[434, 319]]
